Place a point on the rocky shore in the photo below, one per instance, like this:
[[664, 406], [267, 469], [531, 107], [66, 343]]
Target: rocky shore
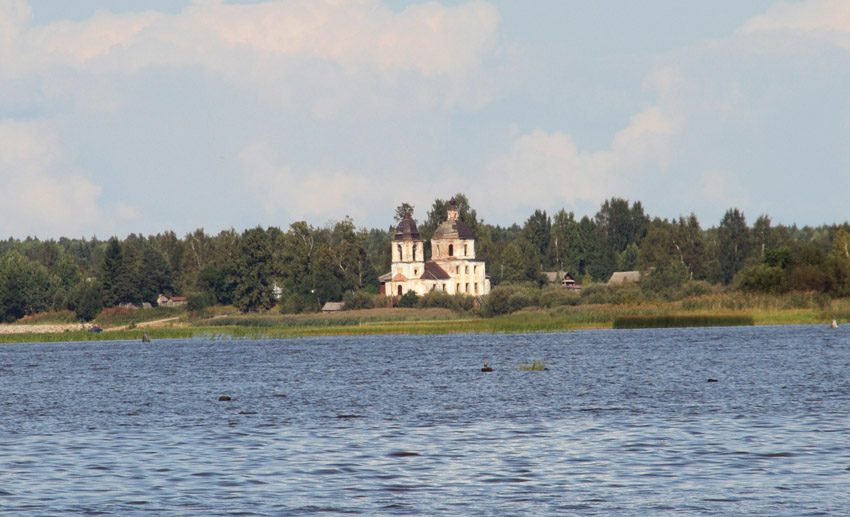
[[42, 329]]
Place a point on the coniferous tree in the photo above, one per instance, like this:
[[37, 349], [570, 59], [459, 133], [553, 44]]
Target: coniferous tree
[[253, 272], [113, 276]]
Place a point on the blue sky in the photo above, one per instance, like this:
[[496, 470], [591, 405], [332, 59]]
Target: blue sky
[[120, 116]]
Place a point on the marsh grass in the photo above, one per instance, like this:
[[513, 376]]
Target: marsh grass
[[682, 320], [799, 308], [535, 366]]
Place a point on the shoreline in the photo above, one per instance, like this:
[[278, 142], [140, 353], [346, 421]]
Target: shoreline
[[277, 327]]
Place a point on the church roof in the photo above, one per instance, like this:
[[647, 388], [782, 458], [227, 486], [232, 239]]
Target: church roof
[[453, 229], [406, 229], [433, 271]]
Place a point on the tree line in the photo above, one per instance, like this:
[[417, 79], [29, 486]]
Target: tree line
[[302, 267]]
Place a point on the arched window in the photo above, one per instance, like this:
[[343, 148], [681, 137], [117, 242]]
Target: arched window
[[451, 250], [399, 289], [414, 252], [400, 256], [465, 252], [438, 250]]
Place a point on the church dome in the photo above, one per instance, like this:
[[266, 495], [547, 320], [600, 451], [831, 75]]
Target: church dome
[[453, 229], [406, 229]]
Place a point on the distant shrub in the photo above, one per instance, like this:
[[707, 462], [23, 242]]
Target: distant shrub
[[86, 300], [197, 302], [409, 300], [695, 288], [443, 300], [506, 299], [594, 294], [298, 303], [355, 300], [556, 296]]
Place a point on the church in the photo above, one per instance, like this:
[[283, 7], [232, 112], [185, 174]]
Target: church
[[452, 268]]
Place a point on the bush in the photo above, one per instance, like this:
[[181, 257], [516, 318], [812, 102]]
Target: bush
[[509, 298], [199, 301], [298, 303], [556, 296], [695, 288], [409, 300], [86, 300], [443, 300], [358, 300]]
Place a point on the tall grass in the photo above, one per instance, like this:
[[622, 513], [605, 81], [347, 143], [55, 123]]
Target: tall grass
[[535, 366], [682, 320]]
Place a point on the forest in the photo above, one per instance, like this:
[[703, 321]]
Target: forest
[[299, 269]]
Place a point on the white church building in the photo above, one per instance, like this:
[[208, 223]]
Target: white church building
[[452, 267]]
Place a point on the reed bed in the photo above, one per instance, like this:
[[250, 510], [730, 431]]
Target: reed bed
[[535, 366], [682, 320]]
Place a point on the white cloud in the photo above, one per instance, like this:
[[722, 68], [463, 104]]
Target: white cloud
[[812, 15], [303, 195], [39, 196], [548, 169]]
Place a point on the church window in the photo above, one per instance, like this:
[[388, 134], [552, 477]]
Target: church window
[[399, 289], [466, 270], [457, 270], [458, 288], [476, 287], [399, 252], [438, 250], [475, 269], [414, 253], [465, 252], [444, 286], [451, 250], [415, 271], [467, 288]]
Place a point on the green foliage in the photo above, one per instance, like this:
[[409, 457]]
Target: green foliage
[[762, 278], [197, 302], [113, 277], [358, 300], [441, 299], [505, 299], [86, 300], [733, 244], [253, 272], [24, 287], [409, 300]]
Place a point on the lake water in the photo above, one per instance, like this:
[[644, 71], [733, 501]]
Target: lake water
[[622, 422]]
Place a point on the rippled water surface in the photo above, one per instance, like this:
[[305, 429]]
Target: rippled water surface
[[622, 422]]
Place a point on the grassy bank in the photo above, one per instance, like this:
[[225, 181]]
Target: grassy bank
[[734, 309]]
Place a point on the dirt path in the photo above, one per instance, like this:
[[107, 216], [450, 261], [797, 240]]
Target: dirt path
[[143, 324]]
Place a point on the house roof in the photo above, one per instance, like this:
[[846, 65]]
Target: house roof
[[386, 277], [333, 306], [621, 277], [406, 229], [433, 271]]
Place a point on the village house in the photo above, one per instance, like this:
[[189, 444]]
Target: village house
[[452, 268], [565, 279], [623, 277]]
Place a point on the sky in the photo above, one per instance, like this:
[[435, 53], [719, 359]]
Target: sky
[[144, 116]]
